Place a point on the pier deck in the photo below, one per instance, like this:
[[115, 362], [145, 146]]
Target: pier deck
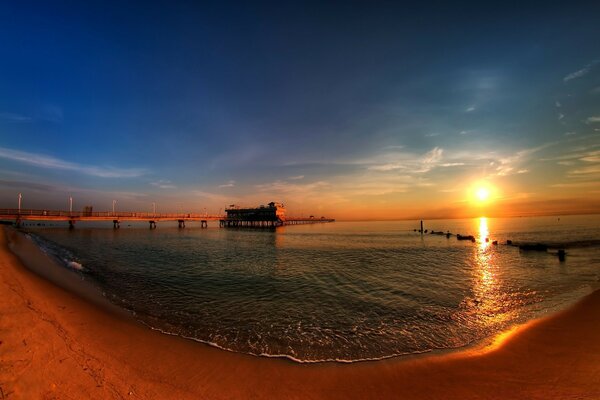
[[18, 216]]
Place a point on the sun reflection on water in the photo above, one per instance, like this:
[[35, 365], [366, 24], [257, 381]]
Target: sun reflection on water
[[488, 305]]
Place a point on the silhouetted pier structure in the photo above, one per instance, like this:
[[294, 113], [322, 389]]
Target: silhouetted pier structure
[[270, 216], [116, 217]]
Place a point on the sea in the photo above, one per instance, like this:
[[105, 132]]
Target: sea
[[334, 292]]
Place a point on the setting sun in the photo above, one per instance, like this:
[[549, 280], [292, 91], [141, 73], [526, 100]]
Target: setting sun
[[483, 194]]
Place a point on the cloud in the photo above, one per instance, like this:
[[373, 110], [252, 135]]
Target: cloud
[[560, 116], [230, 183], [284, 187], [570, 133], [593, 156], [454, 164], [433, 156], [582, 72], [471, 108], [44, 161], [163, 184], [412, 163], [590, 170], [592, 120], [30, 185], [507, 165], [15, 117], [557, 104], [214, 197], [295, 178]]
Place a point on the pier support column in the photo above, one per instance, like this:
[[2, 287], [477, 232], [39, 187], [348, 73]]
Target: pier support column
[[71, 224], [18, 223], [152, 224], [203, 224], [116, 224], [181, 223]]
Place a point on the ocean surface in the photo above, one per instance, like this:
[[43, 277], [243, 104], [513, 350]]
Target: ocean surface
[[344, 291]]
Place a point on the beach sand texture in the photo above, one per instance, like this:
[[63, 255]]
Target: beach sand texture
[[54, 344]]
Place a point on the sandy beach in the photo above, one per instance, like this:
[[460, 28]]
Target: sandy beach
[[58, 343]]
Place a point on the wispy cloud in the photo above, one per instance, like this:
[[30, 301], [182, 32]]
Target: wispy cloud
[[593, 120], [14, 117], [163, 184], [296, 178], [589, 170], [582, 72], [454, 164], [229, 184], [284, 187], [470, 109], [411, 163], [592, 156], [213, 197], [509, 165], [45, 161]]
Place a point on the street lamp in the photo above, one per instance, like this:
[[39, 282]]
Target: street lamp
[[114, 202], [70, 204], [153, 208], [20, 197]]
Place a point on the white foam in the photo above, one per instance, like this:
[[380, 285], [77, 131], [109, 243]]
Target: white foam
[[75, 265]]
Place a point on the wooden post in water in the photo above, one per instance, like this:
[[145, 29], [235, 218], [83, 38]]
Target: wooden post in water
[[421, 227]]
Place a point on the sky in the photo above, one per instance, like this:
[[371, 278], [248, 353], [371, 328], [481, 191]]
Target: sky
[[351, 110]]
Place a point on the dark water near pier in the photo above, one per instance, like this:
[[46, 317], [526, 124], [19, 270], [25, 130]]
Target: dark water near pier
[[345, 291]]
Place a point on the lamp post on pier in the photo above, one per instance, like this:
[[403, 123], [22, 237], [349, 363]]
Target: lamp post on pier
[[114, 202], [20, 197], [153, 209], [70, 204]]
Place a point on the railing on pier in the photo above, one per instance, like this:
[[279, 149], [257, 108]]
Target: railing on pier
[[19, 215], [39, 214]]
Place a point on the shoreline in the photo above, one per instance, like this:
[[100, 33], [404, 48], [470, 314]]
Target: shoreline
[[56, 344]]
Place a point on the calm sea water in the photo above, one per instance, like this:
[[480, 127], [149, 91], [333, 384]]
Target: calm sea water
[[345, 291]]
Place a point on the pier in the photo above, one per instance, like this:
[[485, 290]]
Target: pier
[[261, 217]]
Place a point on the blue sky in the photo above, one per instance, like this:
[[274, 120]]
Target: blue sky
[[351, 108]]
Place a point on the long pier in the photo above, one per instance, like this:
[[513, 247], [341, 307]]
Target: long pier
[[20, 215]]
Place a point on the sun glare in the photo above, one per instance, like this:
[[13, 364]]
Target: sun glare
[[482, 194]]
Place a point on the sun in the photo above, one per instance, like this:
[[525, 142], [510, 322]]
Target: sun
[[482, 194]]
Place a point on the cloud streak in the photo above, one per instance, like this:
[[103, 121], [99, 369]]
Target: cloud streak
[[582, 72], [163, 184], [49, 162], [14, 117]]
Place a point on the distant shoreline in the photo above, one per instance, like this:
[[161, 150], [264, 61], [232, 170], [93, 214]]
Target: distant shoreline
[[55, 343]]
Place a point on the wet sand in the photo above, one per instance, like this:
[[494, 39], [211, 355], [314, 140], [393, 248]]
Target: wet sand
[[55, 344]]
